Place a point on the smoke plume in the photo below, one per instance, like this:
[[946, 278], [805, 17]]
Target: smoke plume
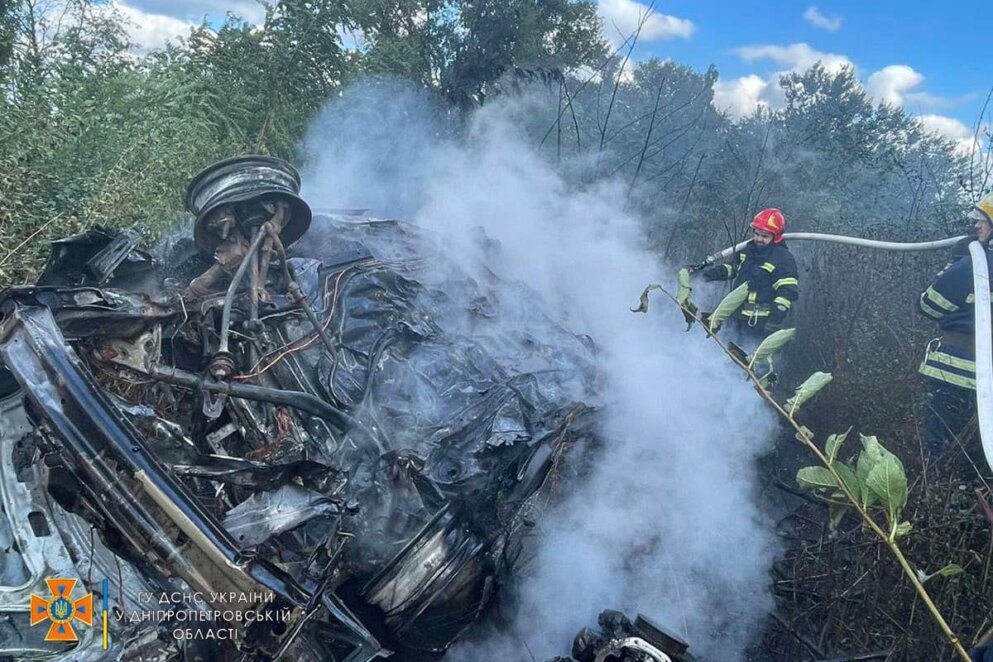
[[667, 524]]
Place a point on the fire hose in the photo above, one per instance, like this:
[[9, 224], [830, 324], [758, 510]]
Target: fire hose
[[984, 348], [983, 322], [839, 239]]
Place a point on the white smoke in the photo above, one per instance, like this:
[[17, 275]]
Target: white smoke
[[667, 525]]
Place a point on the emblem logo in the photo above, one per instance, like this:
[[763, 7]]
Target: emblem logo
[[61, 609]]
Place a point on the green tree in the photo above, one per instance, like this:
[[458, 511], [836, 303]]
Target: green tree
[[463, 47]]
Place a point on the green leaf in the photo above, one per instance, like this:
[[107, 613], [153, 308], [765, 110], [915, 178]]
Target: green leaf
[[903, 529], [643, 303], [950, 570], [834, 444], [737, 352], [873, 447], [772, 344], [727, 307], [836, 512], [863, 467], [685, 289], [807, 390], [815, 478], [689, 314], [850, 478], [873, 455], [806, 433], [876, 450], [888, 482]]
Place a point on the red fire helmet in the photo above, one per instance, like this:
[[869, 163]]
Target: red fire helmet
[[772, 221]]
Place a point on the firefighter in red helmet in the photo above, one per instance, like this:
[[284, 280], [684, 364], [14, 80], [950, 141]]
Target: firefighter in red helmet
[[768, 267]]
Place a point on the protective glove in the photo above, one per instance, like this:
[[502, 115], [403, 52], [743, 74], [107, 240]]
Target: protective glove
[[715, 273]]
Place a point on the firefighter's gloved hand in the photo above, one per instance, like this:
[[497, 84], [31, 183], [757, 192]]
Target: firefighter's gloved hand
[[714, 273]]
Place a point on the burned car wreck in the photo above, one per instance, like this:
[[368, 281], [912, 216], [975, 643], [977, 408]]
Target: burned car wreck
[[251, 430], [257, 446]]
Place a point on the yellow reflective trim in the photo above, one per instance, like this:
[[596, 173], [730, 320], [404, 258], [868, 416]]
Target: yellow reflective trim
[[935, 296], [741, 257], [754, 313], [929, 311], [768, 266], [783, 301], [782, 282], [728, 269], [948, 359], [972, 298], [753, 297], [949, 377]]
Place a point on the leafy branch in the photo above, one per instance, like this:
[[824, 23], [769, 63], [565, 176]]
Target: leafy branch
[[878, 479]]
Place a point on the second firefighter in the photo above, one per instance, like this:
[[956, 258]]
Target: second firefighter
[[768, 267]]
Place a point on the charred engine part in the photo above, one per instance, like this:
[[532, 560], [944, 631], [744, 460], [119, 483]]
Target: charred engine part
[[246, 197], [259, 234], [298, 297], [296, 399], [621, 640]]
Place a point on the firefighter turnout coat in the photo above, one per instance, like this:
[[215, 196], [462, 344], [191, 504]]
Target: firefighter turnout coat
[[773, 284], [949, 300]]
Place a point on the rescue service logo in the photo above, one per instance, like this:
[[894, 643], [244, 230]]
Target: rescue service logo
[[61, 609]]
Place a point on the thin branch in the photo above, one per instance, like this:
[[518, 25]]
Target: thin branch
[[29, 238], [617, 83], [648, 135]]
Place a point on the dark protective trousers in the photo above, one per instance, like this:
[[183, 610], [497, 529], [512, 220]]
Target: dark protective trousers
[[947, 411]]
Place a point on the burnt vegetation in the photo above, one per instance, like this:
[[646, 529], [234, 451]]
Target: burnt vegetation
[[93, 134]]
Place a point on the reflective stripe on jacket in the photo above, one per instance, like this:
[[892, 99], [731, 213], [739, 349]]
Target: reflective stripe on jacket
[[953, 365], [949, 301]]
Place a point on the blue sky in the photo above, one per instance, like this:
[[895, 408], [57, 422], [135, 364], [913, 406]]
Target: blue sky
[[934, 59]]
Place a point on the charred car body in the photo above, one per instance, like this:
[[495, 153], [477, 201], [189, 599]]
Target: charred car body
[[328, 451]]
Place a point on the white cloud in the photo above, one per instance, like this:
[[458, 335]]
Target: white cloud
[[895, 83], [952, 129], [622, 17], [948, 127], [797, 57], [195, 10], [148, 31], [891, 84], [819, 20], [742, 96]]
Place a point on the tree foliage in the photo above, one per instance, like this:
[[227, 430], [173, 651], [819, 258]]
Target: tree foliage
[[463, 47], [94, 133]]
